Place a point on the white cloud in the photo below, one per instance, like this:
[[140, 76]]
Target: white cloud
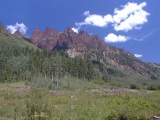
[[114, 38], [76, 30], [13, 28], [128, 9], [131, 16], [96, 20], [138, 55]]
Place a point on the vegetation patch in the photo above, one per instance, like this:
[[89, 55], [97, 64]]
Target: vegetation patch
[[43, 104]]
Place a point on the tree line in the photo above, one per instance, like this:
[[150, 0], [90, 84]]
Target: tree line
[[23, 63]]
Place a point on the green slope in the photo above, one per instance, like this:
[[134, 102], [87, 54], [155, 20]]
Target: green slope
[[7, 39]]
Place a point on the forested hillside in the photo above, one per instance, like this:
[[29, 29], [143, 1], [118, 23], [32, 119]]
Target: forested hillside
[[21, 60], [18, 63]]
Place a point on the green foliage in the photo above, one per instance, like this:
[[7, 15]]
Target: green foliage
[[37, 106], [134, 86], [154, 87], [115, 72], [21, 103], [128, 108], [65, 83], [23, 63]]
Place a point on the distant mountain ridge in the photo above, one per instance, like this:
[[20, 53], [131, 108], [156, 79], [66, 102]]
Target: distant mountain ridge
[[84, 45]]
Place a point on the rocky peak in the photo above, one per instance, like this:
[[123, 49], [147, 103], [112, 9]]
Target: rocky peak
[[68, 30], [70, 33], [37, 30], [49, 39], [83, 33], [49, 32], [36, 36], [18, 34], [72, 36]]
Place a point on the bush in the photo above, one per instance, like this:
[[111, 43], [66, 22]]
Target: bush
[[134, 86], [40, 82], [37, 106], [153, 87]]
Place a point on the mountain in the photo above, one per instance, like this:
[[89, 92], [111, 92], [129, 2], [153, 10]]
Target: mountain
[[107, 60], [37, 35], [16, 39], [87, 46]]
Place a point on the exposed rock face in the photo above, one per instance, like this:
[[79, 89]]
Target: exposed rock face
[[84, 45], [36, 36], [73, 53], [62, 42], [93, 42], [49, 39], [18, 34]]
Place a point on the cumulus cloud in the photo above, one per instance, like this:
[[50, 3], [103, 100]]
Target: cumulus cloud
[[114, 38], [18, 26], [131, 16], [138, 55], [128, 9], [96, 20]]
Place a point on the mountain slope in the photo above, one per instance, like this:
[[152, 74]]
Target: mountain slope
[[86, 46], [7, 39]]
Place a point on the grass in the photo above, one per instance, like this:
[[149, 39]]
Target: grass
[[65, 83], [18, 102]]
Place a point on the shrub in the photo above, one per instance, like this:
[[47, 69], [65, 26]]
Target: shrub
[[134, 86], [37, 106], [153, 87]]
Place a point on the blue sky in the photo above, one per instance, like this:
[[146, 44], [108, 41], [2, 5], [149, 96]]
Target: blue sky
[[133, 25]]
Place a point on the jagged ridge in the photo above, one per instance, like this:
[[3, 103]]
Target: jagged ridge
[[84, 45]]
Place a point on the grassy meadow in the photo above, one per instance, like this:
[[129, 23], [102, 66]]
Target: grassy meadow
[[19, 101]]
